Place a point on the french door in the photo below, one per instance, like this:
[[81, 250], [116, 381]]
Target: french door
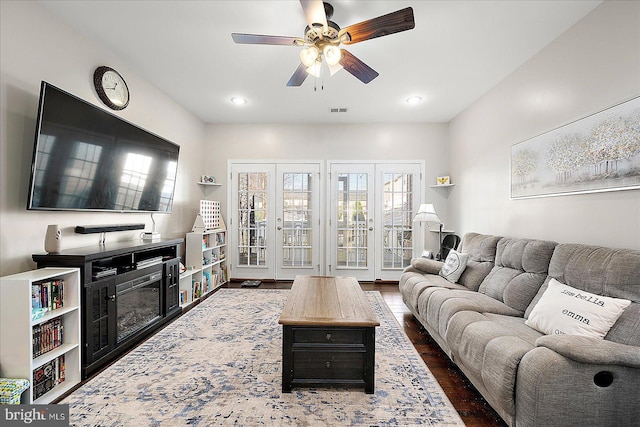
[[275, 211], [370, 218]]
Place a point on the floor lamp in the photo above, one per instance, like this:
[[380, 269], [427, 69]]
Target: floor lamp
[[427, 214]]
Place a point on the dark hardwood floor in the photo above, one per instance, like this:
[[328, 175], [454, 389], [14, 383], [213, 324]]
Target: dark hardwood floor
[[471, 406]]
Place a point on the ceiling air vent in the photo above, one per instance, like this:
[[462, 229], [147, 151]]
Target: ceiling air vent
[[338, 110]]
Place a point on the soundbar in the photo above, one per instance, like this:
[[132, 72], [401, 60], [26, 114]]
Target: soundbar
[[91, 229]]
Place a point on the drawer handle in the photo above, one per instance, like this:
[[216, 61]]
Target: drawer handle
[[328, 364], [328, 337]]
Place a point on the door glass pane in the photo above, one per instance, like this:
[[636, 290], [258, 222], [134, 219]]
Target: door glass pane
[[352, 215], [252, 218], [397, 243], [296, 219]]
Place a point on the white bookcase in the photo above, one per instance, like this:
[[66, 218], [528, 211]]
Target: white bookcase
[[206, 263], [16, 329]]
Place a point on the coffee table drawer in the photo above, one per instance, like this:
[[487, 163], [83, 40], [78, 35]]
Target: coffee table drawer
[[327, 365], [328, 336]]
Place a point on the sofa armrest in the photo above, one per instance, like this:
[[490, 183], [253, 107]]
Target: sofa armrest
[[425, 265], [592, 350], [555, 390]]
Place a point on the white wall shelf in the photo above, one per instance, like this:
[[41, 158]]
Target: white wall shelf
[[442, 185], [17, 348], [209, 184]]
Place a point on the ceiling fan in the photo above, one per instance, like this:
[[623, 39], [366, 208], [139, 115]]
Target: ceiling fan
[[322, 38]]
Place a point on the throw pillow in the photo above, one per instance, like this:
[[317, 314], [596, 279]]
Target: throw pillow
[[425, 265], [563, 309], [454, 266]]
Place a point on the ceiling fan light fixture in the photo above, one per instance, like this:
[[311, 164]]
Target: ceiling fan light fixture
[[309, 55], [238, 100], [334, 68], [315, 68], [414, 100], [332, 54]]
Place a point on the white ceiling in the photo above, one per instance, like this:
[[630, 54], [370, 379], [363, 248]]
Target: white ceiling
[[456, 53]]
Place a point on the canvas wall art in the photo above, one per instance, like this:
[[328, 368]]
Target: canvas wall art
[[600, 152]]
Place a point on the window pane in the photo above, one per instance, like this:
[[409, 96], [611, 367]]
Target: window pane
[[397, 236]]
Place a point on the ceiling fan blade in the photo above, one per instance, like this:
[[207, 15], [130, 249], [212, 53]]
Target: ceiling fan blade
[[394, 22], [298, 76], [314, 12], [262, 39], [356, 67]]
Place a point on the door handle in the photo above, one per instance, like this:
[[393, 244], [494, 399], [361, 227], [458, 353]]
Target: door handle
[[370, 228], [279, 228]]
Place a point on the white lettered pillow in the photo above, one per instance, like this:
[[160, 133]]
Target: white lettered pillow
[[563, 309], [454, 266]]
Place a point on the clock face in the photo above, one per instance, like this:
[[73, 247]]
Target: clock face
[[111, 88]]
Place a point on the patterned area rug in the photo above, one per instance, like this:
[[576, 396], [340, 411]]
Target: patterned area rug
[[220, 364]]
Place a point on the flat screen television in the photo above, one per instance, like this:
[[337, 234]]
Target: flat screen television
[[87, 159]]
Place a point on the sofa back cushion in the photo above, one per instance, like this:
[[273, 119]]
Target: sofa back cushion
[[602, 271], [482, 254], [520, 269]]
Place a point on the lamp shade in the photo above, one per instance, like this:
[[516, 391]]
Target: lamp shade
[[309, 55], [314, 69], [332, 54], [427, 213]]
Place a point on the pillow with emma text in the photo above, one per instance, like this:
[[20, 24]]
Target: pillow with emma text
[[563, 309]]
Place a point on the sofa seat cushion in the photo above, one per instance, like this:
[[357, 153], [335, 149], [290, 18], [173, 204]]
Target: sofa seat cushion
[[438, 306], [416, 283], [488, 347], [520, 269]]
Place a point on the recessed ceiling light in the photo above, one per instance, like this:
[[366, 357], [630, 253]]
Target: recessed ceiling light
[[413, 100], [238, 101]]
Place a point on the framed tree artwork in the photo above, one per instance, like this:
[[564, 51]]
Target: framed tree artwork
[[600, 152]]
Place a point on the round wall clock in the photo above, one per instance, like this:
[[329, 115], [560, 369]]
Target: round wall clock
[[111, 88]]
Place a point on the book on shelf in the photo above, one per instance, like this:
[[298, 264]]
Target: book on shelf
[[219, 239], [47, 295], [196, 290], [47, 336], [47, 376], [223, 274]]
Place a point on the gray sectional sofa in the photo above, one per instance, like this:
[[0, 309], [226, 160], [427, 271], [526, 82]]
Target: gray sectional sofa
[[531, 378]]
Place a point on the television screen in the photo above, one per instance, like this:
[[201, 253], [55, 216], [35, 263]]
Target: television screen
[[87, 159]]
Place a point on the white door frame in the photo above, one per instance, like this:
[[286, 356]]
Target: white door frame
[[352, 243], [414, 241], [286, 272], [375, 270], [273, 236], [326, 253]]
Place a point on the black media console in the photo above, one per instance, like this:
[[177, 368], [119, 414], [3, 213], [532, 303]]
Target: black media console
[[129, 289]]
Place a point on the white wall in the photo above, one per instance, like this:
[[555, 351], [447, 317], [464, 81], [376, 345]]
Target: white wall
[[595, 64], [36, 46]]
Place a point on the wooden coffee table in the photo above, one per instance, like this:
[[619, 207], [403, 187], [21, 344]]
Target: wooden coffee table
[[328, 334]]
